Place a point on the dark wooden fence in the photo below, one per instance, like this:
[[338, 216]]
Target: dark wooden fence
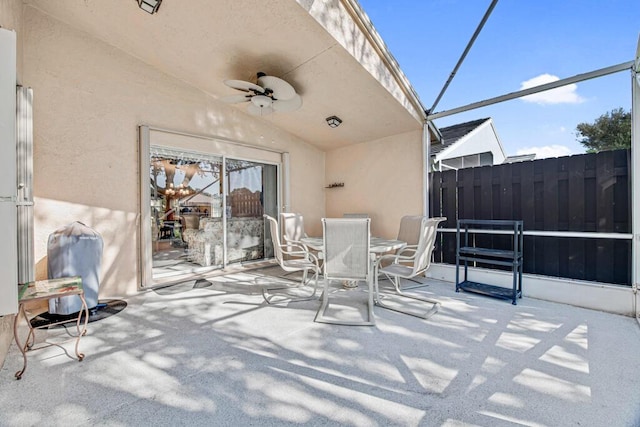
[[245, 203], [581, 193]]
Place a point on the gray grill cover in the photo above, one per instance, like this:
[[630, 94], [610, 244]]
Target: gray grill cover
[[75, 250]]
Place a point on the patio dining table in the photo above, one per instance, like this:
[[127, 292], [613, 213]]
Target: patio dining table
[[377, 245]]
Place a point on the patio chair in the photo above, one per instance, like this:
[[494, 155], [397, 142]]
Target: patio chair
[[346, 258], [292, 258], [409, 232], [293, 232], [355, 215], [292, 227], [409, 262]]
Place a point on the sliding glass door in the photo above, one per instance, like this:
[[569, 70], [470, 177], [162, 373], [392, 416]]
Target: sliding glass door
[[206, 211], [251, 192], [186, 211]]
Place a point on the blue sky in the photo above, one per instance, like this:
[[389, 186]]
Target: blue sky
[[523, 42]]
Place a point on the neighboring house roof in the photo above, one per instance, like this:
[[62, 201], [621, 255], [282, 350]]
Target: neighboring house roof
[[519, 158], [473, 138], [452, 134]]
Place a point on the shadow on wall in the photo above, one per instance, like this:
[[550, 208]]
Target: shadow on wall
[[41, 271]]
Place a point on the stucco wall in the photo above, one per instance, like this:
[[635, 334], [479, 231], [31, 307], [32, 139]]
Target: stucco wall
[[382, 178], [89, 99]]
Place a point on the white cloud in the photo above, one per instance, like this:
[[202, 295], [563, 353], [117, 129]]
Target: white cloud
[[546, 151], [562, 95]]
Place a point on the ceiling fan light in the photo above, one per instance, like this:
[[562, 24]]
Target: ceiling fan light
[[261, 101], [259, 111], [149, 6]]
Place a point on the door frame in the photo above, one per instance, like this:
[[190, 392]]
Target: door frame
[[145, 250]]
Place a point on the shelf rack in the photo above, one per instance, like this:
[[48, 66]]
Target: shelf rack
[[467, 251]]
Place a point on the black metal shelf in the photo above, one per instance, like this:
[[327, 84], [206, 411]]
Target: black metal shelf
[[466, 252], [496, 253], [489, 290]]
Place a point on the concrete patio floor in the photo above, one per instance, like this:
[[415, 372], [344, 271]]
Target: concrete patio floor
[[216, 354]]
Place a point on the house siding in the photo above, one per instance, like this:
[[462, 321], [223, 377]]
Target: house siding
[[482, 140]]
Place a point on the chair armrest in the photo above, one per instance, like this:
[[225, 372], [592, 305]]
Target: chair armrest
[[408, 247], [407, 250], [298, 253], [406, 253], [292, 246], [313, 258], [384, 258], [301, 253], [297, 243], [396, 259]]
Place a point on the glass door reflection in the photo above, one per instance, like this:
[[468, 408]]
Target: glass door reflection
[[186, 212], [252, 192]]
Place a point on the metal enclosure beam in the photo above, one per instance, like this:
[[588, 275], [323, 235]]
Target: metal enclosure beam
[[464, 54], [541, 88], [635, 175], [426, 167]]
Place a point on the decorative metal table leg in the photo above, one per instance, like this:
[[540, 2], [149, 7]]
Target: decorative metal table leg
[[31, 338], [82, 332], [21, 347]]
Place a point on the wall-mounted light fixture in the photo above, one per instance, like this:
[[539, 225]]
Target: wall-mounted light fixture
[[333, 121], [149, 6]]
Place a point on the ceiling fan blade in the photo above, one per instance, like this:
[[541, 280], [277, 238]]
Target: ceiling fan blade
[[257, 111], [288, 105], [234, 99], [244, 86], [281, 89]]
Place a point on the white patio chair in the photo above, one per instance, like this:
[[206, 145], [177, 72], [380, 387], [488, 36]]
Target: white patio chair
[[292, 228], [408, 263], [291, 257], [409, 232], [293, 232], [355, 215], [346, 258]]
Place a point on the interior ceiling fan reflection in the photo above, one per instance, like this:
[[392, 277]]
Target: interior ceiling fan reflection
[[268, 95]]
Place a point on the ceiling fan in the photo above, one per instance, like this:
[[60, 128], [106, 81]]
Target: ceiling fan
[[268, 95]]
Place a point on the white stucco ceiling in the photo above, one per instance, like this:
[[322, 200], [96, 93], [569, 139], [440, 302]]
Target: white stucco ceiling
[[203, 42]]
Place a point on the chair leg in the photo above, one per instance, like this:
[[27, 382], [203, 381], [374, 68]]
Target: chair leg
[[419, 285], [273, 298], [324, 301], [320, 314], [370, 302], [396, 283]]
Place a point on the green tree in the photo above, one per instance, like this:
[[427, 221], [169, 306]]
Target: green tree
[[610, 131]]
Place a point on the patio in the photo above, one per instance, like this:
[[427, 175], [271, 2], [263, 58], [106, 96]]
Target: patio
[[213, 353]]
